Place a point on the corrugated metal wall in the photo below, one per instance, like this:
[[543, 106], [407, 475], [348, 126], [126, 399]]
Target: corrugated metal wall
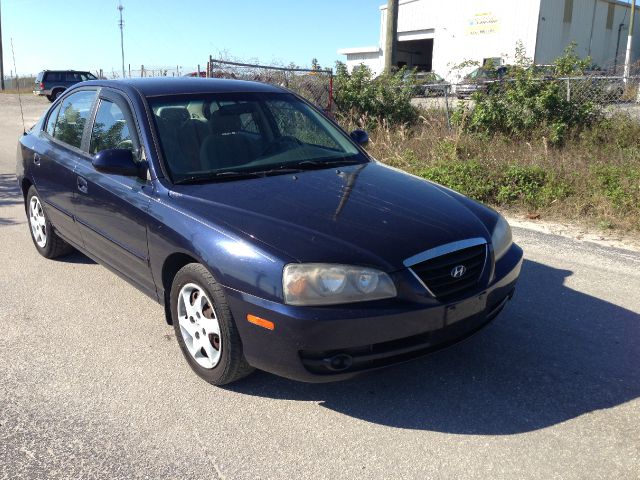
[[600, 42]]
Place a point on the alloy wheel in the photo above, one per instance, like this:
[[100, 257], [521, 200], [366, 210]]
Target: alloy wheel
[[38, 222], [199, 325]]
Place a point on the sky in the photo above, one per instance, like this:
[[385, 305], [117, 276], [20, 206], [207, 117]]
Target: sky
[[84, 34]]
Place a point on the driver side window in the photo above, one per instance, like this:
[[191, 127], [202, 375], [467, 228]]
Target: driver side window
[[110, 129]]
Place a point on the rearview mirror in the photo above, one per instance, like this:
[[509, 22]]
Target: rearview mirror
[[118, 161], [360, 137]]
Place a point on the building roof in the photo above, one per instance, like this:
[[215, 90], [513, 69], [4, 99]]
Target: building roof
[[356, 50]]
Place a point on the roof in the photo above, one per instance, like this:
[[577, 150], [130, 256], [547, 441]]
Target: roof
[[159, 86], [354, 51]]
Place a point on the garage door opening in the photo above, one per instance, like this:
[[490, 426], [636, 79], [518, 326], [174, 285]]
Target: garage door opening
[[416, 54]]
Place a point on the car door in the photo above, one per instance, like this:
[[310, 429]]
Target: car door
[[55, 158], [111, 209]]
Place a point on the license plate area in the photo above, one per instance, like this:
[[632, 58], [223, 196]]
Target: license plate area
[[465, 309]]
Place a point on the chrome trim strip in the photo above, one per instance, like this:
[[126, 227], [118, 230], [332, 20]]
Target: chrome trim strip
[[422, 283], [443, 250]]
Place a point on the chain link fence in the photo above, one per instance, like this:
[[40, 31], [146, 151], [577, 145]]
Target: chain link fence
[[314, 85], [25, 83], [148, 71], [608, 94]]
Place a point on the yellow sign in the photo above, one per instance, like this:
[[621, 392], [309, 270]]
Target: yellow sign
[[483, 24]]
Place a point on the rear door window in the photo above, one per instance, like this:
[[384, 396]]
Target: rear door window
[[110, 129], [73, 116], [51, 120]]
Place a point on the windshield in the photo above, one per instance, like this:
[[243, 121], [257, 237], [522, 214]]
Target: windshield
[[479, 73], [211, 137]]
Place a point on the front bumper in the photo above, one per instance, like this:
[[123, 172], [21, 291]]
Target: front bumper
[[335, 343]]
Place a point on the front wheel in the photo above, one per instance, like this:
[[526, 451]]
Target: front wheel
[[44, 237], [204, 327]]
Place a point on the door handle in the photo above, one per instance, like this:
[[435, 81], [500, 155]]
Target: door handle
[[36, 159], [82, 184]]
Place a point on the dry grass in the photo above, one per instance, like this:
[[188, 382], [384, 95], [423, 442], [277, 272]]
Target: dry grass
[[23, 91]]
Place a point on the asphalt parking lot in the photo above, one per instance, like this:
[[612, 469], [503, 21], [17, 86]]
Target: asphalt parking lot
[[93, 384]]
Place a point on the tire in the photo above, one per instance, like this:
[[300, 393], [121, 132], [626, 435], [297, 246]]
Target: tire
[[204, 327], [44, 236], [56, 93], [50, 98]]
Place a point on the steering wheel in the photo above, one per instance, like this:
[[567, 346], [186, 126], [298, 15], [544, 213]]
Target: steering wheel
[[279, 144]]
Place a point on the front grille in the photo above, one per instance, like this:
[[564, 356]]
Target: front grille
[[436, 273]]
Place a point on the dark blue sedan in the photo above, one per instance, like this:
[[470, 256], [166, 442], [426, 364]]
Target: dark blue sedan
[[271, 237]]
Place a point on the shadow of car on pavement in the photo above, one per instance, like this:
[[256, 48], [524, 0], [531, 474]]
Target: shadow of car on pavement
[[553, 354]]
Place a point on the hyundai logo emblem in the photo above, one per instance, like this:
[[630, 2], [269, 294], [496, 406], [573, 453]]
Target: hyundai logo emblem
[[459, 271]]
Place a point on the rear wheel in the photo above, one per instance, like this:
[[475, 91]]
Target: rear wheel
[[44, 237], [56, 93], [204, 327], [50, 98]]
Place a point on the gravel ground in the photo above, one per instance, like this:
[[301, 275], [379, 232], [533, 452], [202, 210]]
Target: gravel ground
[[93, 384]]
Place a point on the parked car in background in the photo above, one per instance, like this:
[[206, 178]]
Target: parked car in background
[[271, 237], [201, 74], [51, 83], [430, 84], [480, 80], [424, 83]]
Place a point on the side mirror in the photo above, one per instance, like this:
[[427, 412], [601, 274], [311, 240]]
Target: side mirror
[[360, 137], [118, 161]]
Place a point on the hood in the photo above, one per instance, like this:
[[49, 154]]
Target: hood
[[366, 214]]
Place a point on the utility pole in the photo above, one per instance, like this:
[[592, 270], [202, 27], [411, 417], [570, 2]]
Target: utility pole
[[1, 64], [627, 60], [121, 25], [391, 43]]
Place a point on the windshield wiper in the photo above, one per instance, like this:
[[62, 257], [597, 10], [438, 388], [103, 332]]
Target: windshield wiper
[[208, 177], [233, 175], [313, 164]]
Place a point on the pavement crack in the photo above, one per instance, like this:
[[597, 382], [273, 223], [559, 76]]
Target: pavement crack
[[212, 460]]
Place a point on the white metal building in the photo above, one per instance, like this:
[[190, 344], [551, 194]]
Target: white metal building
[[437, 35]]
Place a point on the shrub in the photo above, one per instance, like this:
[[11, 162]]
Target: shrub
[[366, 101], [620, 184], [468, 177], [524, 105]]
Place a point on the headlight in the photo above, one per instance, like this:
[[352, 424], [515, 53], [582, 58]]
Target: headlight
[[329, 284], [501, 238]]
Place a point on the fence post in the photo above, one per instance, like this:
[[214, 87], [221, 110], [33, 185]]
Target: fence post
[[129, 70], [331, 91], [446, 106], [568, 90], [142, 70]]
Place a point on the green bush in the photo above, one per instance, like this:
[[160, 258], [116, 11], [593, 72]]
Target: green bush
[[367, 101], [523, 105], [528, 186], [469, 178], [620, 184]]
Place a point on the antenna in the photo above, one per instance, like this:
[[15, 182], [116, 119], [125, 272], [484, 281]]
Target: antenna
[[121, 25], [13, 53]]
